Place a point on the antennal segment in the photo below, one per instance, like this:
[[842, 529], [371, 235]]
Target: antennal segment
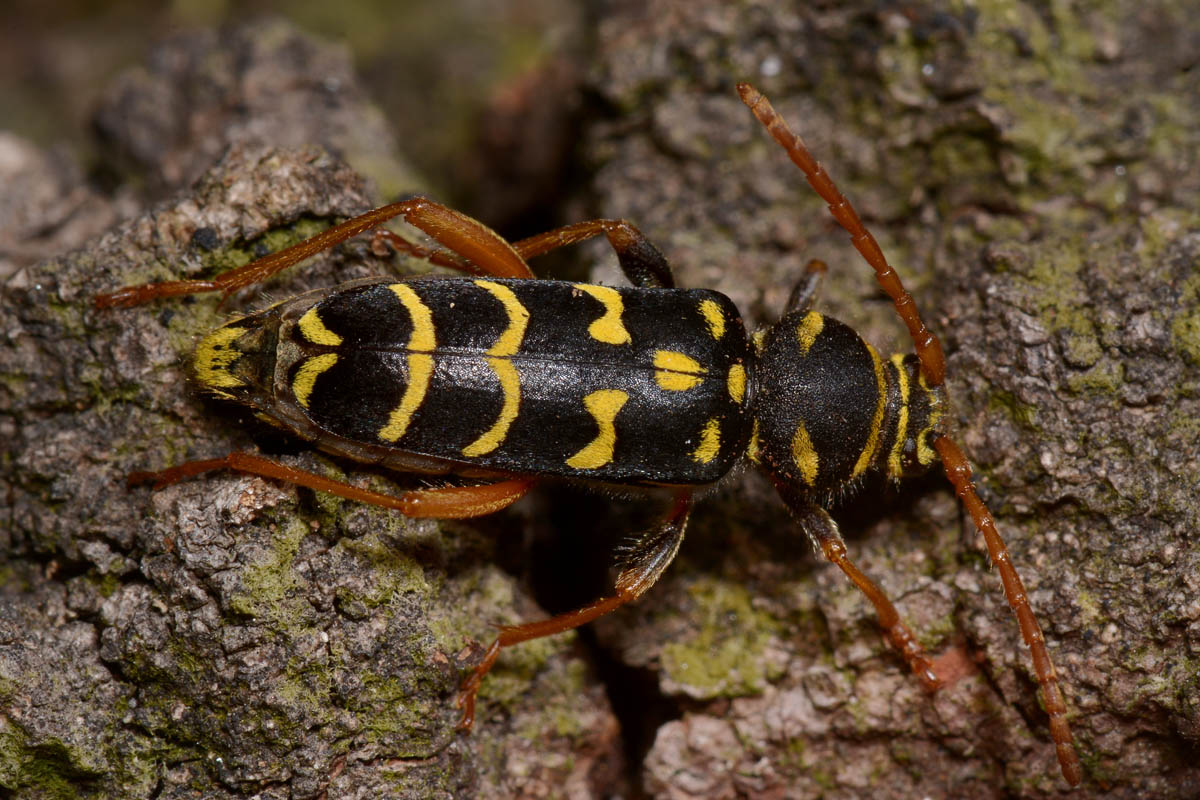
[[927, 346]]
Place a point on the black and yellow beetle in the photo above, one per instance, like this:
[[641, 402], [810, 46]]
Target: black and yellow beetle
[[503, 379]]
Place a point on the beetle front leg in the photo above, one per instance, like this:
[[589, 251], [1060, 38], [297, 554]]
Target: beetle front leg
[[823, 532], [641, 566], [804, 293]]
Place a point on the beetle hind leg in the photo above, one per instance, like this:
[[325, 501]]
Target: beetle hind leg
[[446, 502], [644, 264], [641, 565], [473, 247]]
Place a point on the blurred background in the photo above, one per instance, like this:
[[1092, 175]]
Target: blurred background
[[436, 70]]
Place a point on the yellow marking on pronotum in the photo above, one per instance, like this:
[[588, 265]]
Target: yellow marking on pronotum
[[872, 446], [804, 456], [926, 455], [808, 330], [894, 465], [312, 328], [420, 363], [736, 383], [608, 328], [758, 338], [215, 355], [603, 405], [498, 359], [713, 316], [710, 442], [752, 448], [306, 376], [675, 372]]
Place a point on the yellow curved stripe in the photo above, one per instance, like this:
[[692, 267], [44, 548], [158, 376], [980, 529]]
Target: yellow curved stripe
[[506, 345], [713, 316], [422, 338], [608, 328], [312, 327], [420, 364], [710, 442], [676, 372], [926, 455], [752, 449], [518, 319], [736, 383], [872, 446], [808, 330], [894, 465], [215, 355], [306, 376], [510, 384], [804, 456], [603, 405]]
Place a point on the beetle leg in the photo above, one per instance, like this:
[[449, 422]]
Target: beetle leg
[[804, 293], [482, 250], [643, 264], [823, 532], [382, 238], [641, 566], [446, 502]]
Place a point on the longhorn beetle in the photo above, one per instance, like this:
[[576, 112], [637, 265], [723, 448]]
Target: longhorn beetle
[[503, 380]]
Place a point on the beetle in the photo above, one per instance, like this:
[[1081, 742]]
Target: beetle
[[503, 380]]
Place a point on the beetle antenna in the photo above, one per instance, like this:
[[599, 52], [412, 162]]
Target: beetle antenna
[[933, 369]]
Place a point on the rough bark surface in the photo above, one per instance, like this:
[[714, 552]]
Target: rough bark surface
[[232, 637], [1025, 170]]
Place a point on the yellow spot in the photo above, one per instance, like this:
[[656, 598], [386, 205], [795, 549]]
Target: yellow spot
[[306, 376], [736, 383], [894, 464], [752, 448], [872, 446], [758, 338], [804, 455], [313, 329], [808, 330], [713, 316], [510, 382], [609, 328], [215, 355], [420, 363], [676, 372], [710, 442], [603, 405]]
